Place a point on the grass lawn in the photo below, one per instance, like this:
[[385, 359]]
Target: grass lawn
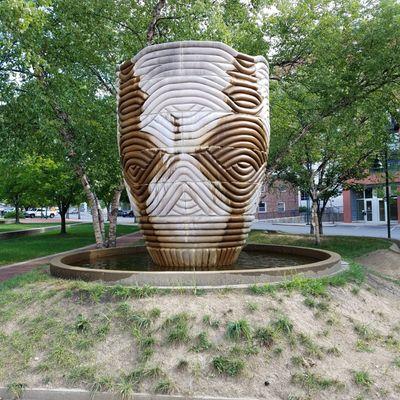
[[21, 227], [42, 244], [349, 247]]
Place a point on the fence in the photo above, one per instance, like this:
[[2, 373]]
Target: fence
[[331, 215]]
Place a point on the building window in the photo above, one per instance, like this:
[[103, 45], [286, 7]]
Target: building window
[[280, 207], [368, 193], [262, 207], [303, 195], [359, 194]]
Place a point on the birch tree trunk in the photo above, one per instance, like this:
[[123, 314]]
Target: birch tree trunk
[[112, 232], [315, 221], [94, 206]]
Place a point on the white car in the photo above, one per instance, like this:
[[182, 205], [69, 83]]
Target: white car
[[39, 213]]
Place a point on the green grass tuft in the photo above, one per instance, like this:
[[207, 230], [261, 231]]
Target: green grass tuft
[[82, 374], [283, 325], [177, 328], [228, 366], [310, 381], [263, 289], [237, 330], [163, 386], [362, 378], [82, 324], [202, 343], [265, 336], [213, 323], [16, 389]]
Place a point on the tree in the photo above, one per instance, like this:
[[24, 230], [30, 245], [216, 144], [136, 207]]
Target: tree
[[19, 183], [57, 50], [60, 186], [336, 72]]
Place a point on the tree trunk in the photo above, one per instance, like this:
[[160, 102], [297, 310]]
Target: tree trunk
[[321, 211], [320, 214], [315, 221], [97, 218], [108, 207], [16, 205], [101, 221], [153, 23], [63, 208], [112, 231]]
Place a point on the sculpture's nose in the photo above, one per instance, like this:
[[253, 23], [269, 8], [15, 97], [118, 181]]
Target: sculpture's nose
[[180, 188]]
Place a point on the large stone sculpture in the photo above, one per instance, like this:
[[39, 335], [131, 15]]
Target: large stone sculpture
[[193, 136]]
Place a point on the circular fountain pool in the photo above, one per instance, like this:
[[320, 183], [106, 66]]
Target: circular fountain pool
[[258, 263]]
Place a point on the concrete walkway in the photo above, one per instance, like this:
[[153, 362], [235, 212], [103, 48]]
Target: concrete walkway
[[341, 229], [11, 270]]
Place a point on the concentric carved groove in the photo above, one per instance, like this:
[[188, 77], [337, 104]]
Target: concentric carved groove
[[193, 134]]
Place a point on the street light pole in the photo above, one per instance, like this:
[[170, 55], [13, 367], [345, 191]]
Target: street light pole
[[387, 194]]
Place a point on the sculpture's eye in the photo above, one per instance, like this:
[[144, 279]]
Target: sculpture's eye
[[243, 167], [241, 160]]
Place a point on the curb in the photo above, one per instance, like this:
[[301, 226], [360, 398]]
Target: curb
[[300, 224], [395, 246], [78, 394], [31, 231]]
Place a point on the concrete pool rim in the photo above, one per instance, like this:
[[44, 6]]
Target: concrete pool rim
[[327, 263]]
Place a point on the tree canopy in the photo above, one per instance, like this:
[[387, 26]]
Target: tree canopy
[[334, 79]]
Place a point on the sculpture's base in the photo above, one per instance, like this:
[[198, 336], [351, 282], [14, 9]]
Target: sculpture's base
[[208, 257]]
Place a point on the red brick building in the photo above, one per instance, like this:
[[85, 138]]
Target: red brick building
[[277, 201]]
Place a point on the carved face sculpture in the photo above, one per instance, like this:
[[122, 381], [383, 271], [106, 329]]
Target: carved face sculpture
[[193, 136]]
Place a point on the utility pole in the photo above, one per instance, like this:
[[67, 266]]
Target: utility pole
[[393, 128], [389, 235]]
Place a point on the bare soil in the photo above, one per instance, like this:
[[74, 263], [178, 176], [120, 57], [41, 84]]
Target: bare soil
[[338, 348], [385, 262]]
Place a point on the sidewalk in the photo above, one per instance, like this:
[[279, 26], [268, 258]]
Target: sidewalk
[[11, 270]]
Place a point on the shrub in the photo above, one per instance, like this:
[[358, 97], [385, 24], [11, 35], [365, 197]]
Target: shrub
[[11, 214]]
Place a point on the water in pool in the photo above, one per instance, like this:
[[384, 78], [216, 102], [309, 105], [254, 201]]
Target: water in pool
[[247, 260]]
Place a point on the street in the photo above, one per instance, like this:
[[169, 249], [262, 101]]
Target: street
[[339, 228], [354, 229]]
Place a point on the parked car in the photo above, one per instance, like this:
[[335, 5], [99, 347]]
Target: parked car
[[125, 213], [39, 213], [6, 209]]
